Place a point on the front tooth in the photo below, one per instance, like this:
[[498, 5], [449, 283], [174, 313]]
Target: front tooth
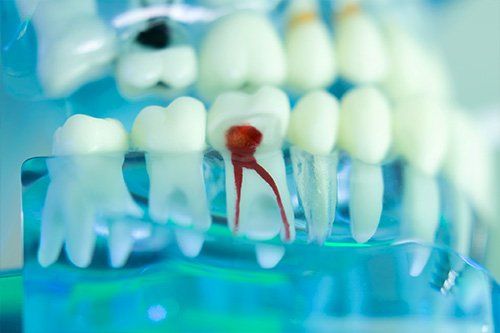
[[174, 139], [313, 128], [361, 52], [74, 45], [309, 49], [248, 131], [84, 187], [268, 256], [365, 133], [242, 50]]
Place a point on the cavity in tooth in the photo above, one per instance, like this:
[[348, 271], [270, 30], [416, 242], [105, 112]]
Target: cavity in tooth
[[268, 256], [74, 45], [361, 53], [365, 133], [174, 139], [309, 48], [313, 129], [241, 51], [190, 242], [248, 130], [84, 187]]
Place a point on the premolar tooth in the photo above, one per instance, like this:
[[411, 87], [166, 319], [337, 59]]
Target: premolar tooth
[[241, 50], [174, 139], [268, 256], [365, 133], [309, 49], [248, 130], [313, 128]]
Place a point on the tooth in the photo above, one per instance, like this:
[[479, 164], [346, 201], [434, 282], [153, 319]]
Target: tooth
[[174, 139], [241, 51], [309, 48], [365, 133], [268, 256], [84, 187], [190, 242], [121, 243], [248, 131], [74, 45], [461, 223], [313, 129]]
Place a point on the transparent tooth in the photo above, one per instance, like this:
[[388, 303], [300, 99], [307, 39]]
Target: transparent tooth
[[174, 138], [190, 242], [268, 256], [365, 133]]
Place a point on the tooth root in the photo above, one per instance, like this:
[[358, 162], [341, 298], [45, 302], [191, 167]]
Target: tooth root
[[268, 256], [190, 242], [462, 223], [418, 260], [121, 242], [366, 187]]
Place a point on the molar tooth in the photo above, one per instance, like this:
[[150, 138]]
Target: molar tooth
[[241, 50], [365, 133], [174, 139], [248, 131], [313, 128], [268, 256]]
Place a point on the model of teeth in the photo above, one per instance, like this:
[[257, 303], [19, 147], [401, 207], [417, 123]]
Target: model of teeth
[[152, 65], [361, 52], [365, 133], [74, 45], [248, 131], [309, 48], [87, 188], [174, 139], [241, 51], [313, 128]]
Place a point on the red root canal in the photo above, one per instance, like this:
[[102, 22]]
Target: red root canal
[[242, 141]]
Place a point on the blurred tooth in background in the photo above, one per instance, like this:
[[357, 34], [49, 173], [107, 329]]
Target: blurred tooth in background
[[313, 130], [87, 188], [365, 133], [174, 140], [309, 48]]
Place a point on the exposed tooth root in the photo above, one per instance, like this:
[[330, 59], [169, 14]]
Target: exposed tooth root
[[121, 242], [189, 242], [268, 256]]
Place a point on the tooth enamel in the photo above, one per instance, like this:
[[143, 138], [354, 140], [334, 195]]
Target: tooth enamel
[[242, 50], [313, 128], [84, 187], [74, 45], [174, 138], [268, 256], [189, 242], [248, 131], [361, 53], [309, 48], [365, 133]]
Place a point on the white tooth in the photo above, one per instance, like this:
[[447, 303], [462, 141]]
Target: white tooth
[[461, 223], [179, 67], [236, 123], [139, 70], [361, 52], [242, 50], [74, 45], [309, 48], [365, 133], [121, 242], [174, 138], [313, 128], [420, 213], [84, 186], [189, 242], [268, 256]]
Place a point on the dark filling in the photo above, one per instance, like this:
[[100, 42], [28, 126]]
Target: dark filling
[[157, 36], [242, 141]]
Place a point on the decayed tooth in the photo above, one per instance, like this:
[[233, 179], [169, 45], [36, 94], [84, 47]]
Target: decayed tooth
[[174, 139], [84, 188], [268, 256], [313, 129], [248, 131], [241, 51], [74, 45], [309, 48], [365, 133], [361, 52]]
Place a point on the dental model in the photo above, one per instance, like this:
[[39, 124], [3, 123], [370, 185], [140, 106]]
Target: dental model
[[87, 188], [74, 45], [309, 48], [313, 128], [242, 51], [174, 139], [361, 52], [365, 133]]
